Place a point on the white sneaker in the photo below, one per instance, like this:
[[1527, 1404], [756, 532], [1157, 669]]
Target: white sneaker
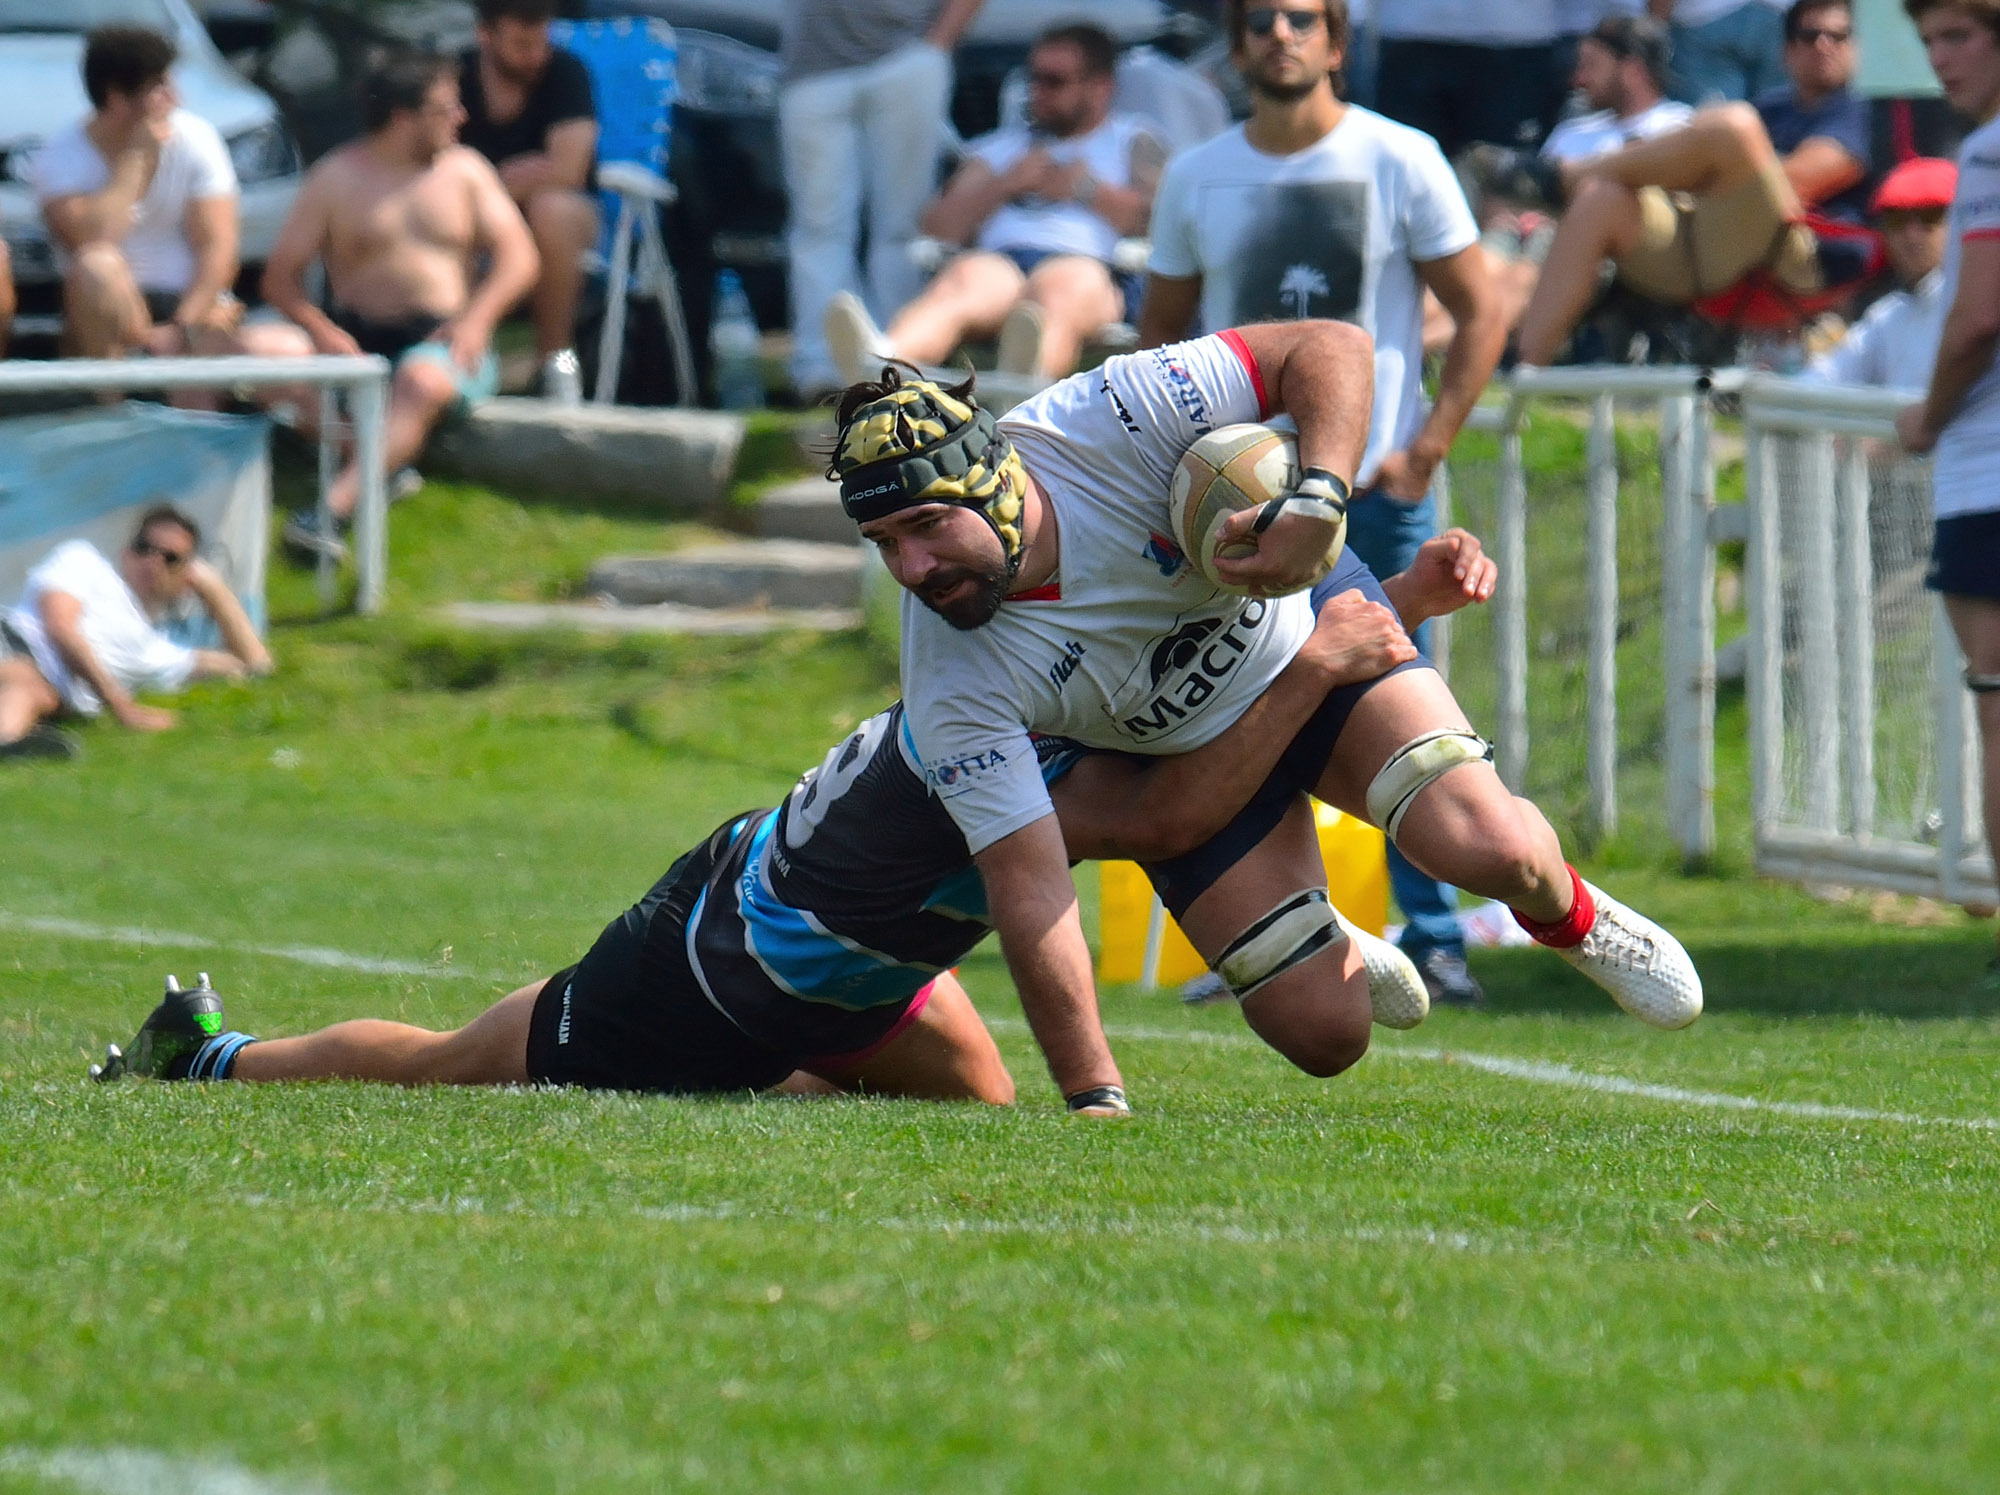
[[562, 378], [1020, 346], [858, 346], [1396, 992], [1639, 963]]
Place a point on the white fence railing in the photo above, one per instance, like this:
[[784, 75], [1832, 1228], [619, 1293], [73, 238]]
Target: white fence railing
[[1863, 754], [364, 376], [1687, 540]]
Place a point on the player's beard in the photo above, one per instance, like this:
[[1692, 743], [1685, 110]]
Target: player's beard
[[975, 609]]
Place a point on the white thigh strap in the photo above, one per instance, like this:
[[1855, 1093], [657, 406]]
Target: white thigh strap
[[1417, 764], [1294, 931]]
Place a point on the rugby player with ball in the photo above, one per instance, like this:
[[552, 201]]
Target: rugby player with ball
[[1049, 592]]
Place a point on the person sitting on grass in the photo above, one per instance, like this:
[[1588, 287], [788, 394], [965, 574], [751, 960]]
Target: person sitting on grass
[[812, 945], [401, 218], [86, 635]]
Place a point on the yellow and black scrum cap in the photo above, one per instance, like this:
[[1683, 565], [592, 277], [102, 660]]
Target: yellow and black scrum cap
[[918, 444]]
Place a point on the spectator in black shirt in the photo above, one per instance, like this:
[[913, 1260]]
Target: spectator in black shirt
[[529, 111]]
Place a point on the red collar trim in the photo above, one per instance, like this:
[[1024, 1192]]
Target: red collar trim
[[1048, 591]]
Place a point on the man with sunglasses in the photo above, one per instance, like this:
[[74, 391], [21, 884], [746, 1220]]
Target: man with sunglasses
[[87, 636], [1316, 208], [1895, 343]]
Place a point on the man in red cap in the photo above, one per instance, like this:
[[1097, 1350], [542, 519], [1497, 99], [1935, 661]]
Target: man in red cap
[[1894, 345]]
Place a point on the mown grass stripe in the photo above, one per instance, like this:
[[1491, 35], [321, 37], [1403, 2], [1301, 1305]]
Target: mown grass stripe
[[167, 939]]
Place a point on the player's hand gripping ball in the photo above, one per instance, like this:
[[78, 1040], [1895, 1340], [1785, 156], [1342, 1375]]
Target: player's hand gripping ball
[[1230, 469]]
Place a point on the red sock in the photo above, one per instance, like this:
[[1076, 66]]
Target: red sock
[[1570, 929]]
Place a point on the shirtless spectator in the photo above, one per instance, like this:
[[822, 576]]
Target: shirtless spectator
[[401, 218], [529, 111], [140, 198], [6, 298], [86, 635], [1041, 207]]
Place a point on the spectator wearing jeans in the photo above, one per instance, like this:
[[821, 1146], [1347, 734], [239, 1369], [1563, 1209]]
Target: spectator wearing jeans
[[1315, 208], [86, 635], [528, 110], [861, 121], [1895, 343], [1724, 49], [1042, 207], [1466, 70]]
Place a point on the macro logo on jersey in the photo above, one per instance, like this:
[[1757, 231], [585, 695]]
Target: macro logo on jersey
[[1164, 553], [1124, 415], [1185, 670]]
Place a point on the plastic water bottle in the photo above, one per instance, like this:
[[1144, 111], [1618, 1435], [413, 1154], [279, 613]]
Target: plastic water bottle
[[733, 340]]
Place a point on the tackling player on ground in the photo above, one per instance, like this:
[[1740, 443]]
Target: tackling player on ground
[[1048, 595], [816, 940]]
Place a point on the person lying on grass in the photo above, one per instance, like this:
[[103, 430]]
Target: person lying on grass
[[86, 635], [813, 944]]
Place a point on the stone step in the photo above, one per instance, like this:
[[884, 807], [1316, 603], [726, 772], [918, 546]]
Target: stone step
[[752, 574], [664, 617], [806, 510], [679, 463]]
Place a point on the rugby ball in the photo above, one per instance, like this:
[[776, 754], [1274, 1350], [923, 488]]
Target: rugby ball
[[1233, 468]]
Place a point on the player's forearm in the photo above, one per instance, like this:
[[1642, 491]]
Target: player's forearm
[[1469, 360], [1965, 353], [952, 19], [1050, 964], [1326, 382]]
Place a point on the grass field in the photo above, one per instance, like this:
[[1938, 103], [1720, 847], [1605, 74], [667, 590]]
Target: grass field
[[1538, 1249]]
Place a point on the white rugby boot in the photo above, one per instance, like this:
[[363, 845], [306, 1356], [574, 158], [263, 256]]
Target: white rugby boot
[[1639, 963], [1396, 992]]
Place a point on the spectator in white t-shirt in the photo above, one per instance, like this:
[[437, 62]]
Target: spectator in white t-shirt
[[141, 201], [1041, 209], [1315, 208], [1621, 73], [86, 635], [1895, 343]]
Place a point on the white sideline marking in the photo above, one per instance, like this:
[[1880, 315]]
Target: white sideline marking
[[1540, 1072], [311, 955], [1534, 1071], [138, 1471]]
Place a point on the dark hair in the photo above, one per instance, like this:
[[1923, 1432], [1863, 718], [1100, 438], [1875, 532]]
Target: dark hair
[[1642, 39], [527, 12], [398, 83], [166, 514], [1100, 52], [1986, 12], [1337, 29], [1798, 10], [868, 391], [124, 59]]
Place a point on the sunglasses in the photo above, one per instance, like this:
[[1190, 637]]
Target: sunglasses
[[1265, 21], [1053, 80], [173, 560], [1813, 35], [1896, 218]]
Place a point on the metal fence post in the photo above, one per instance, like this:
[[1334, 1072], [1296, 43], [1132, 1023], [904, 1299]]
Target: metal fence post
[[1510, 618], [1954, 836], [1441, 627], [1818, 647], [371, 518], [1696, 709], [1857, 639], [1765, 661], [328, 567], [1601, 545]]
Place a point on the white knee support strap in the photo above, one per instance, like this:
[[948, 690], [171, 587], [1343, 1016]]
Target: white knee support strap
[[1415, 766], [1294, 931]]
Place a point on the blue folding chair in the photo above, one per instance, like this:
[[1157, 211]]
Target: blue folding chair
[[631, 65]]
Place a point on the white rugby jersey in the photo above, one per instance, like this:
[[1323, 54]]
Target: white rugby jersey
[[1965, 473], [1128, 648]]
